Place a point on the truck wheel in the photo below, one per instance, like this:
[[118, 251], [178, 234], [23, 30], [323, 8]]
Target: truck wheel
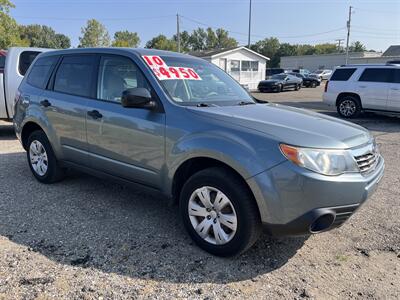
[[219, 212], [41, 159], [348, 107]]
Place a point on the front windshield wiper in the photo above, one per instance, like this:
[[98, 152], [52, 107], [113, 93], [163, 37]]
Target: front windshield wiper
[[245, 103], [204, 104]]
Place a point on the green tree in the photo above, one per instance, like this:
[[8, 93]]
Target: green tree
[[198, 39], [224, 40], [305, 49], [43, 36], [211, 39], [268, 47], [161, 42], [325, 48], [184, 40], [9, 29], [126, 39], [357, 46], [62, 41], [94, 34]]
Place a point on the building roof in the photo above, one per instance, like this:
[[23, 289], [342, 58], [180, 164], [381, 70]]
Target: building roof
[[217, 52], [393, 50]]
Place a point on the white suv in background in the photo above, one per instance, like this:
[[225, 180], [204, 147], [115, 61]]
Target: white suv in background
[[356, 88]]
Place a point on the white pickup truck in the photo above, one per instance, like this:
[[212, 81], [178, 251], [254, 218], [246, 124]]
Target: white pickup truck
[[13, 65]]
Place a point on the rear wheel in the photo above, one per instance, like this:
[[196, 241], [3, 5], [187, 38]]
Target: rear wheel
[[219, 212], [41, 158], [313, 84], [297, 87], [348, 107]]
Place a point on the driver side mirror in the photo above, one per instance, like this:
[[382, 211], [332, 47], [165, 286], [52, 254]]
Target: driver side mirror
[[137, 98]]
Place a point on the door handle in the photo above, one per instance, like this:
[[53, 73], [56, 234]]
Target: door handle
[[45, 103], [395, 89], [95, 114]]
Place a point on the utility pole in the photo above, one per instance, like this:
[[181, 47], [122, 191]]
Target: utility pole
[[339, 43], [348, 35], [248, 43], [178, 34]]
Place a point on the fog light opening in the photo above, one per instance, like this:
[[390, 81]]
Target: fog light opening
[[322, 223]]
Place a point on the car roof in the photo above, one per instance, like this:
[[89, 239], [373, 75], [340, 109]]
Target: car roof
[[369, 65], [118, 50]]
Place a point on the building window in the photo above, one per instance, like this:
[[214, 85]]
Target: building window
[[235, 65], [254, 65], [249, 65]]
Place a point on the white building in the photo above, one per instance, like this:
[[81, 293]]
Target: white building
[[330, 61], [243, 64]]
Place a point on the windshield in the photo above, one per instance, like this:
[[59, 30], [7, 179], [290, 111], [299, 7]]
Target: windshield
[[318, 72], [279, 76], [207, 84]]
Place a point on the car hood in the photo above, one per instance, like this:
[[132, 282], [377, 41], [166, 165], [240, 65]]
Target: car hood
[[290, 125]]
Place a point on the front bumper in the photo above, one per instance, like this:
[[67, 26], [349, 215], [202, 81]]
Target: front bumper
[[268, 88], [292, 199]]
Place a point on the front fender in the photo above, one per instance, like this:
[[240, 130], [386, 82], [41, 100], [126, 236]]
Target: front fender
[[246, 156]]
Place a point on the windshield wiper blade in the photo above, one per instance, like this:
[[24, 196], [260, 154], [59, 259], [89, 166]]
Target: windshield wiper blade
[[245, 103], [202, 104]]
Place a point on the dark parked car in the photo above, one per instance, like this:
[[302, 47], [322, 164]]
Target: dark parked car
[[307, 80], [279, 83]]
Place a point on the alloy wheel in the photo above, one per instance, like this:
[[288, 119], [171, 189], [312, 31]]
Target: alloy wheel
[[38, 158], [347, 108], [212, 215]]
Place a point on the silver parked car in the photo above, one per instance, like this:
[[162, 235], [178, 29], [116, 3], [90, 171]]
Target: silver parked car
[[181, 126]]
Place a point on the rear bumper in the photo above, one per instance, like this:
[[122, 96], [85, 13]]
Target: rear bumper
[[294, 201]]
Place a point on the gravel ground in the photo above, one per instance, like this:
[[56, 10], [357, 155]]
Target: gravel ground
[[85, 238]]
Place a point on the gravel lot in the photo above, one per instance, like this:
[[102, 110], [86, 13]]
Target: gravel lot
[[85, 238]]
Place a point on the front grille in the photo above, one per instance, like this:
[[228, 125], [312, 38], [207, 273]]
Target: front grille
[[367, 162]]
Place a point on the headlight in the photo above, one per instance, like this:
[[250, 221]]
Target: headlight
[[323, 161]]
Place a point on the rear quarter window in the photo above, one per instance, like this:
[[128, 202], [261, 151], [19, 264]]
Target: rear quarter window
[[41, 71], [25, 60], [377, 75], [342, 74]]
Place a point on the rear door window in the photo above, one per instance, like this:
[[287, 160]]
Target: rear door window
[[377, 75], [75, 75], [342, 74], [41, 70], [25, 60]]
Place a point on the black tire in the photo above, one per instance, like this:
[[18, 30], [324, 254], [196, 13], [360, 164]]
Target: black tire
[[348, 107], [297, 87], [280, 88], [54, 172], [248, 218], [313, 84]]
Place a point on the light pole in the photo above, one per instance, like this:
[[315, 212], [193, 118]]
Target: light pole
[[248, 43]]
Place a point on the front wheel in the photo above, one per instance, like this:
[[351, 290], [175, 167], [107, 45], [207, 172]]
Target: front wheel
[[297, 87], [41, 158], [219, 212], [348, 107], [313, 84]]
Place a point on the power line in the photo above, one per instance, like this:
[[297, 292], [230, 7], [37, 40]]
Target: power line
[[102, 19], [263, 36], [377, 11]]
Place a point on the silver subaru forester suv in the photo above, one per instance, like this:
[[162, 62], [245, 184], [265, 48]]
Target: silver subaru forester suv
[[180, 125]]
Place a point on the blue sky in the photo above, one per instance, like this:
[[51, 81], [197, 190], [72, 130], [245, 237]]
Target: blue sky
[[375, 23]]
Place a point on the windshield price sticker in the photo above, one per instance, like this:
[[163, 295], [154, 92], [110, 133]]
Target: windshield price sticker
[[164, 72]]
